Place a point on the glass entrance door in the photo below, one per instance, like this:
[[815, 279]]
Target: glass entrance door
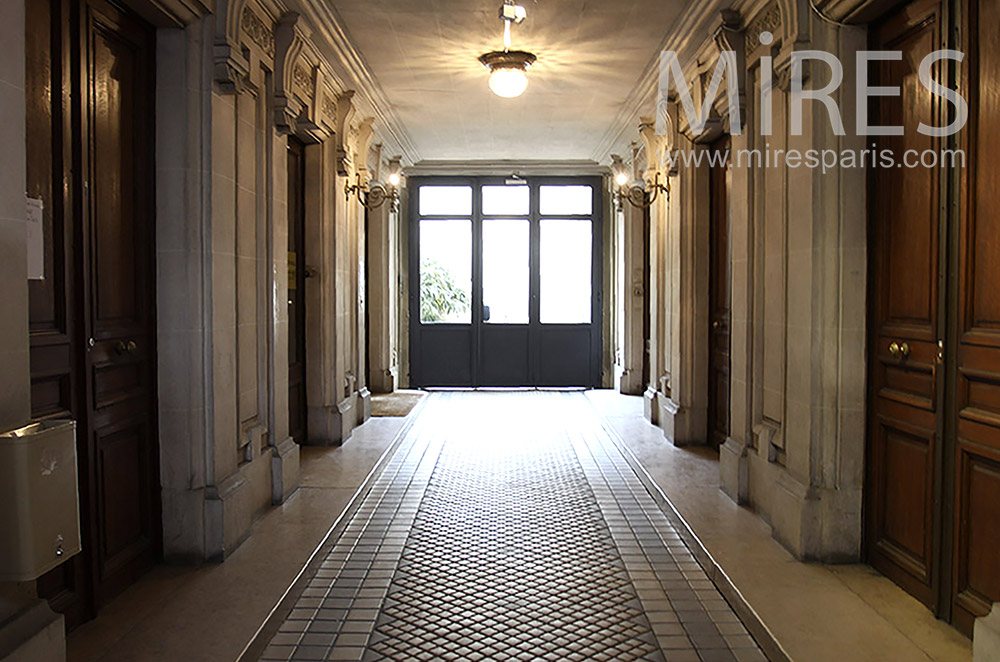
[[505, 282]]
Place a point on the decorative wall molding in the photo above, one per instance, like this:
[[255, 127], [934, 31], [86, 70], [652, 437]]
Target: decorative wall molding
[[729, 36], [363, 138], [342, 129], [258, 31], [301, 78], [304, 99], [289, 38], [328, 106], [231, 66], [854, 12], [351, 72], [657, 146], [768, 20]]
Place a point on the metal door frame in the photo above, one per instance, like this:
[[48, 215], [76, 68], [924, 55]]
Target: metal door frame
[[537, 331]]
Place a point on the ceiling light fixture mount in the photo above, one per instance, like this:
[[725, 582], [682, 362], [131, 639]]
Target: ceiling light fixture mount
[[508, 77]]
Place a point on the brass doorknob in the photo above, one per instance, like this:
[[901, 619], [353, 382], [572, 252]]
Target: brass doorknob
[[899, 351], [131, 346], [120, 347], [716, 325]]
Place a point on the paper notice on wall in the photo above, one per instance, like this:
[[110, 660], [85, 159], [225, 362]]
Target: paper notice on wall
[[36, 240]]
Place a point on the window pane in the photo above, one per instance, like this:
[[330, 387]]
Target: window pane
[[505, 270], [506, 200], [446, 272], [446, 201], [559, 200], [566, 264]]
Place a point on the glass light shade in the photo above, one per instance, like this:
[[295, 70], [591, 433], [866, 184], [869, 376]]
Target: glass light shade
[[508, 83], [394, 179], [622, 179]]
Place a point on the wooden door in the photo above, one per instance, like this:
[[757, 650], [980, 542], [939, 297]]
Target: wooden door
[[117, 226], [905, 322], [720, 297], [976, 426], [54, 322], [297, 413], [647, 319]]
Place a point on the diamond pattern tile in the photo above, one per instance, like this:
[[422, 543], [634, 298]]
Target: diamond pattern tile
[[507, 526], [509, 558]]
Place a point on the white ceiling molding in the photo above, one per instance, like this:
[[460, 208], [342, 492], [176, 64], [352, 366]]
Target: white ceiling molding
[[686, 36], [575, 168], [330, 36]]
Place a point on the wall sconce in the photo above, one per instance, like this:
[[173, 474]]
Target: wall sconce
[[373, 195], [639, 194]]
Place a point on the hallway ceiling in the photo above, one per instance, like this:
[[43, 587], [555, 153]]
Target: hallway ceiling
[[424, 56]]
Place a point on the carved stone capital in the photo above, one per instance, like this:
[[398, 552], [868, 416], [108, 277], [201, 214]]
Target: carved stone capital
[[230, 66], [364, 136], [729, 37], [289, 37], [342, 128], [656, 146], [236, 19]]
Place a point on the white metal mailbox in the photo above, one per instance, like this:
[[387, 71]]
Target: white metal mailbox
[[39, 499]]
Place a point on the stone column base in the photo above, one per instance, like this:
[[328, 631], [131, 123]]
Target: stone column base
[[734, 471], [631, 382], [650, 409], [684, 426], [326, 426], [228, 516], [284, 471], [364, 405], [986, 637], [813, 523]]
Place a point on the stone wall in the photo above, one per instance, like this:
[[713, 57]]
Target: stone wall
[[798, 258], [252, 76]]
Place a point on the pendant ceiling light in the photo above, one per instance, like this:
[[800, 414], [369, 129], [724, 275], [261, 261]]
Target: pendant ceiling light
[[508, 77]]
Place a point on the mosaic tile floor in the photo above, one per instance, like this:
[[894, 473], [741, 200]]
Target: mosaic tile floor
[[506, 526]]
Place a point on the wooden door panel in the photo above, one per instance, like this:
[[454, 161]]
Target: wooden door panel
[[906, 507], [53, 321], [901, 517], [117, 136], [128, 521], [297, 406], [906, 200], [113, 110], [120, 467], [977, 581], [720, 303], [975, 567], [911, 382]]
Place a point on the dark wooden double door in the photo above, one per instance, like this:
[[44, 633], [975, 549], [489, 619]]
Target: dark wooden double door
[[719, 298], [933, 483], [90, 135]]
